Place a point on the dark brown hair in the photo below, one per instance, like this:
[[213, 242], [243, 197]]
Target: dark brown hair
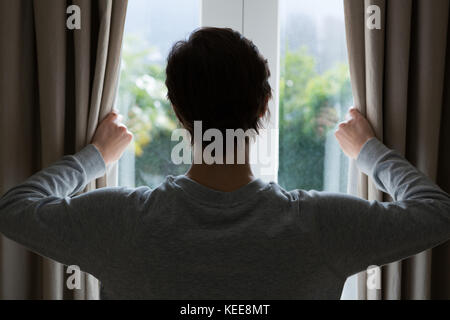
[[218, 77]]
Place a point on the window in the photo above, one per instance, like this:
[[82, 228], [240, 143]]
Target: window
[[151, 28], [315, 94]]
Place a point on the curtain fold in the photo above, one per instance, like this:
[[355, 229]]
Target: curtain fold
[[56, 85], [399, 75]]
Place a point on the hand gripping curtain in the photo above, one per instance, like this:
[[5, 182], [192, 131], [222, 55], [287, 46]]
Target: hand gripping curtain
[[400, 76]]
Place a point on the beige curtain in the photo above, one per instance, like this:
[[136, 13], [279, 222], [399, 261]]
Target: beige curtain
[[401, 81], [56, 84]]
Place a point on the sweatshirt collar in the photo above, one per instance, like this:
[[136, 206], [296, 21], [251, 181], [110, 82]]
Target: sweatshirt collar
[[206, 194]]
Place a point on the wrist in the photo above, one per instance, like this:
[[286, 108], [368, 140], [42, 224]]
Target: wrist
[[101, 152], [363, 142], [92, 161], [372, 150]]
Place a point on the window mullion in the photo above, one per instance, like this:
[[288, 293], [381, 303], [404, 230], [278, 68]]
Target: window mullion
[[261, 25]]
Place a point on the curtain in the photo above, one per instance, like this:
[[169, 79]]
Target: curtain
[[400, 77], [56, 84]]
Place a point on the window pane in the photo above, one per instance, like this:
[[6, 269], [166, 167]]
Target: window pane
[[151, 28], [315, 94]]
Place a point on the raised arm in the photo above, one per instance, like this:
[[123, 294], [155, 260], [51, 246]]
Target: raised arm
[[354, 234], [44, 214]]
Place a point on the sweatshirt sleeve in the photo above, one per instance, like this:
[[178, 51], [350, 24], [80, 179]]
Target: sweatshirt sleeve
[[45, 215], [354, 234]]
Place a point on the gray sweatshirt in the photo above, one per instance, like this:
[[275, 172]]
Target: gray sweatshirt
[[185, 241]]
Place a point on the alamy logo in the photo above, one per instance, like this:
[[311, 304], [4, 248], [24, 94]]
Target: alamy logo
[[73, 281], [212, 147], [74, 20], [373, 17], [374, 278]]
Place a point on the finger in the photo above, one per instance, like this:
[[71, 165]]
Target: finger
[[123, 128], [342, 125], [348, 116], [112, 116], [130, 135], [115, 112], [118, 119], [354, 112]]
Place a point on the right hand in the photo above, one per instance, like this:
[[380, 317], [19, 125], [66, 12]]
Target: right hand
[[353, 134], [112, 137]]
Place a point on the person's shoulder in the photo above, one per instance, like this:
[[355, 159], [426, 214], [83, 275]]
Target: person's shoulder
[[131, 200], [307, 203], [281, 193], [166, 185], [294, 193], [312, 195], [121, 193], [166, 188]]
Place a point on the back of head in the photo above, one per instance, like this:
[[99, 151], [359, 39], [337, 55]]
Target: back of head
[[218, 77]]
